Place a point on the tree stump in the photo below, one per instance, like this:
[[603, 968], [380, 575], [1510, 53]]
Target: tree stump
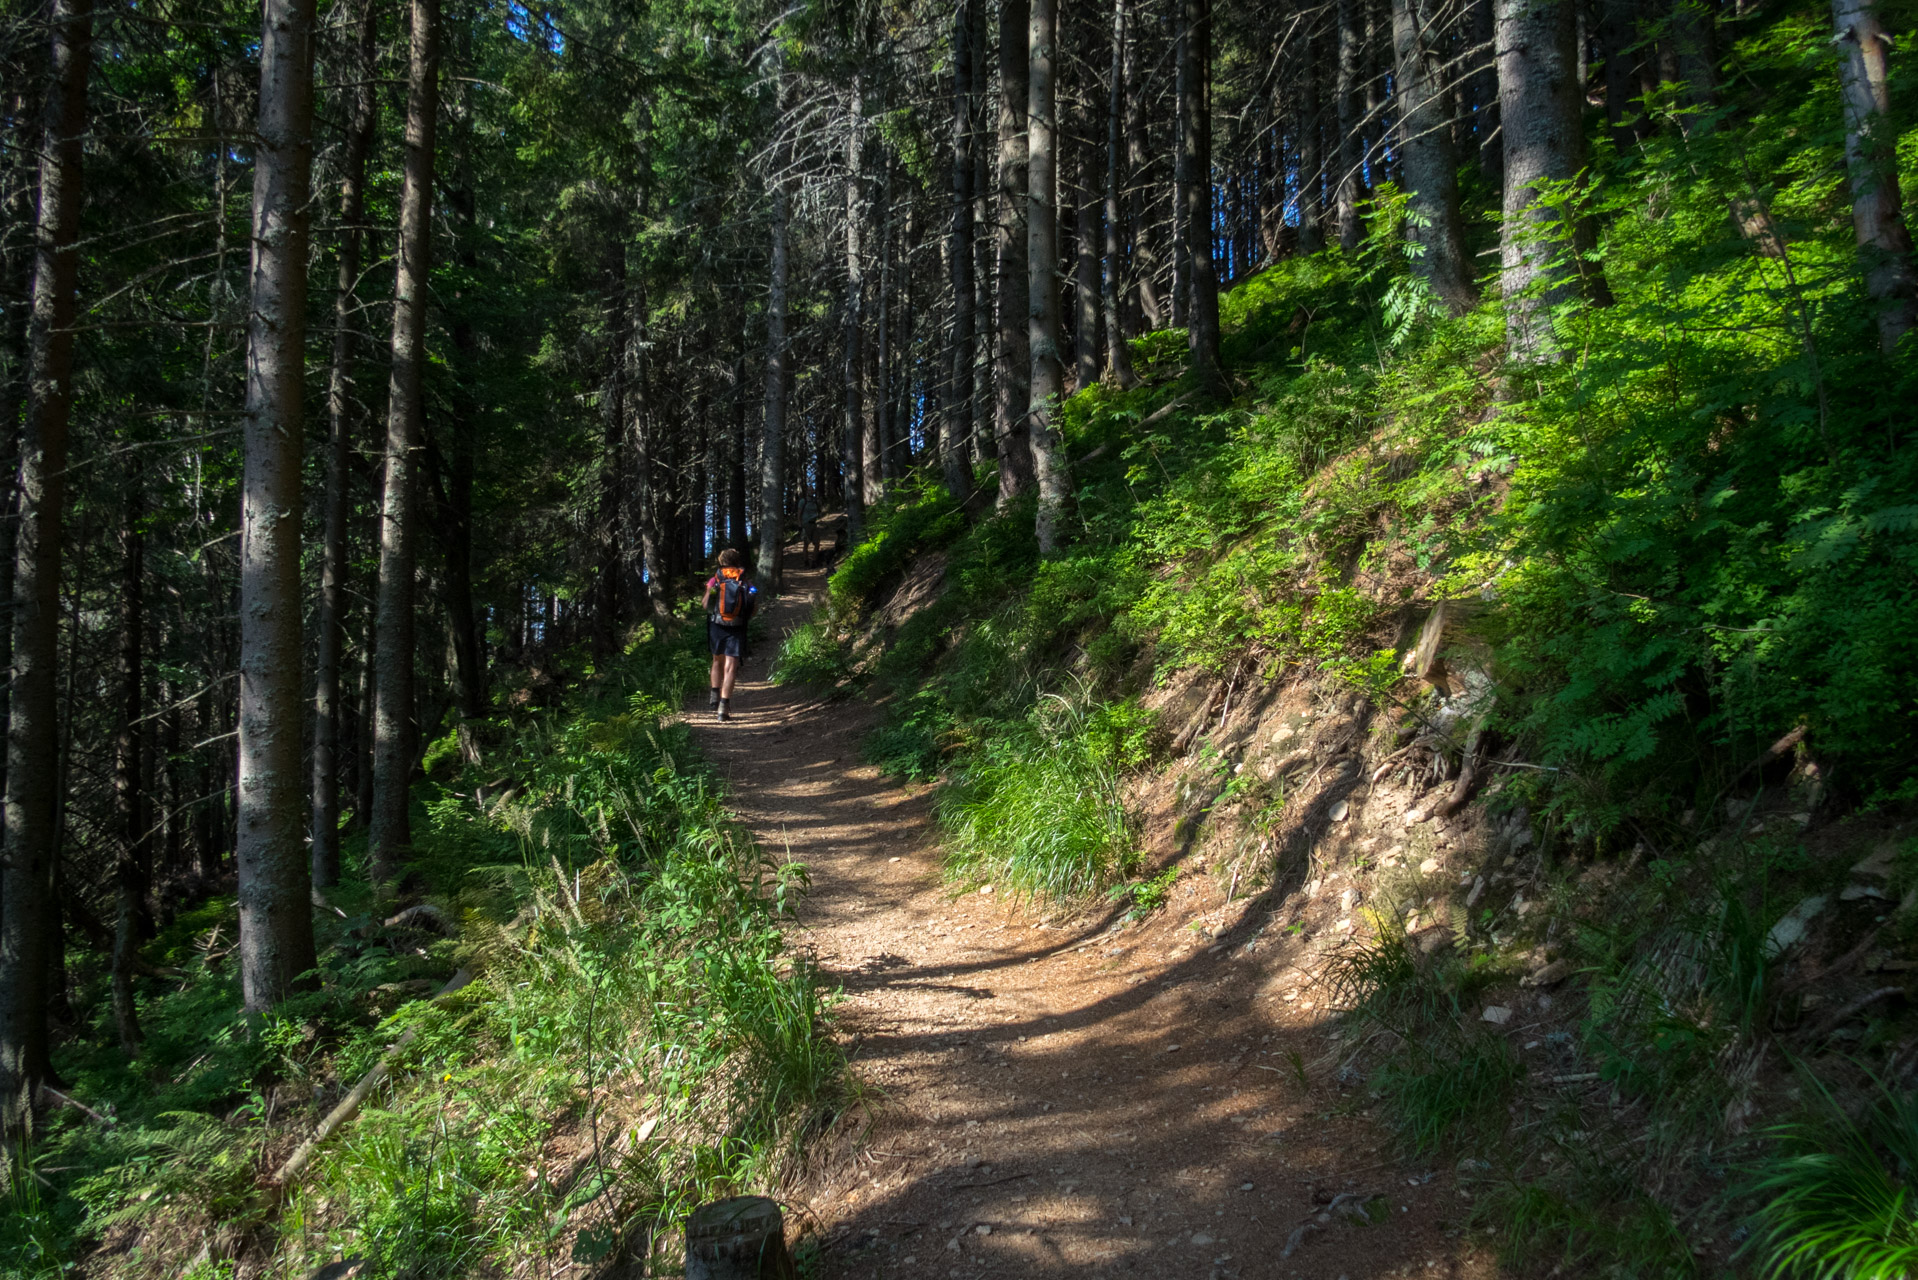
[[743, 1238], [1449, 645]]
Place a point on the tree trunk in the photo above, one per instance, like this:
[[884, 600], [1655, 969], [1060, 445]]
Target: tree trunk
[[985, 159], [636, 408], [330, 623], [1311, 156], [1694, 43], [1012, 359], [1426, 157], [1351, 161], [736, 532], [1178, 299], [772, 437], [131, 862], [390, 835], [956, 446], [1042, 258], [1544, 141], [861, 487], [1087, 240], [1195, 164], [1145, 259], [1871, 141], [1617, 34], [1118, 354], [276, 919], [1482, 86], [453, 467], [33, 737], [886, 455]]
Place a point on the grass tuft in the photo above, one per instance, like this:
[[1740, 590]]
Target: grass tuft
[[1837, 1192]]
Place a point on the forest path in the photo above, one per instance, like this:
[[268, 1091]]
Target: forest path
[[1052, 1098]]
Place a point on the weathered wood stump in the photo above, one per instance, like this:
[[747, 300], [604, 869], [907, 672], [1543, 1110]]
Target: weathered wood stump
[[743, 1238]]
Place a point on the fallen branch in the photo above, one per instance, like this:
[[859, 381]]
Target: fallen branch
[[1467, 775], [1391, 760], [424, 916], [349, 1105], [1853, 1009], [1774, 751], [54, 1095], [1163, 412]]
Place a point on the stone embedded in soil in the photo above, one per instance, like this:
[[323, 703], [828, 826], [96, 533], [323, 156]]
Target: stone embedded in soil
[[1496, 1014], [1550, 975], [1790, 930], [1879, 865]]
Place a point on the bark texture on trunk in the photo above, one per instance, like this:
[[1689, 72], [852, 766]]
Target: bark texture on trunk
[[1085, 266], [329, 622], [955, 453], [33, 734], [1195, 165], [862, 482], [1012, 357], [736, 532], [393, 711], [1145, 257], [772, 437], [1871, 159], [1311, 121], [275, 891], [1118, 354], [635, 409], [1695, 45], [1042, 256], [132, 857], [1351, 110], [1544, 141], [1426, 157], [1617, 34]]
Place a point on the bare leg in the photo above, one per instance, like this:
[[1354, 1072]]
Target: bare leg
[[718, 671], [730, 667]]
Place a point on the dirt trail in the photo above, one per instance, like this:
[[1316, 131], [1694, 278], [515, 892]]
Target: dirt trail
[[1054, 1098]]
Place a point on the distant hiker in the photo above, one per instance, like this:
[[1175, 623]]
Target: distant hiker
[[729, 601], [809, 528]]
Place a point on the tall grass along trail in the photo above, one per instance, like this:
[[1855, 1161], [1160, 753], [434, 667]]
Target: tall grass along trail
[[1050, 1096]]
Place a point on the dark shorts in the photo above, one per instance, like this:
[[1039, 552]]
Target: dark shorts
[[728, 642]]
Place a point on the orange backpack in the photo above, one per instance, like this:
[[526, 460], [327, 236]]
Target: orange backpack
[[735, 598]]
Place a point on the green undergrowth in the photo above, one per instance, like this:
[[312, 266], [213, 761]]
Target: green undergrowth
[[1696, 532], [1669, 1111], [636, 1038], [1690, 534]]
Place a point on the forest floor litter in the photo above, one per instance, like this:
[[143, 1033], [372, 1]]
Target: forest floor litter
[[1052, 1094]]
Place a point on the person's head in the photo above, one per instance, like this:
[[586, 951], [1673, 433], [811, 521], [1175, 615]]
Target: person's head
[[731, 559]]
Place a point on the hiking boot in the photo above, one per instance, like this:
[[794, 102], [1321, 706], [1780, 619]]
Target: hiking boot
[[712, 699], [722, 711]]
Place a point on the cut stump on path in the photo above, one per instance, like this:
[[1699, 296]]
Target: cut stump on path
[[743, 1238]]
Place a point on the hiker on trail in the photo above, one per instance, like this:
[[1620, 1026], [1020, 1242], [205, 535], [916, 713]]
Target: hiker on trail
[[729, 601], [809, 527]]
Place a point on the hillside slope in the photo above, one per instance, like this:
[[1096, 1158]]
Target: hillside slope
[[1558, 713]]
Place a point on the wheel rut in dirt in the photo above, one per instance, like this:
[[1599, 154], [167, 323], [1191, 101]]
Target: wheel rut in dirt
[[1053, 1096]]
